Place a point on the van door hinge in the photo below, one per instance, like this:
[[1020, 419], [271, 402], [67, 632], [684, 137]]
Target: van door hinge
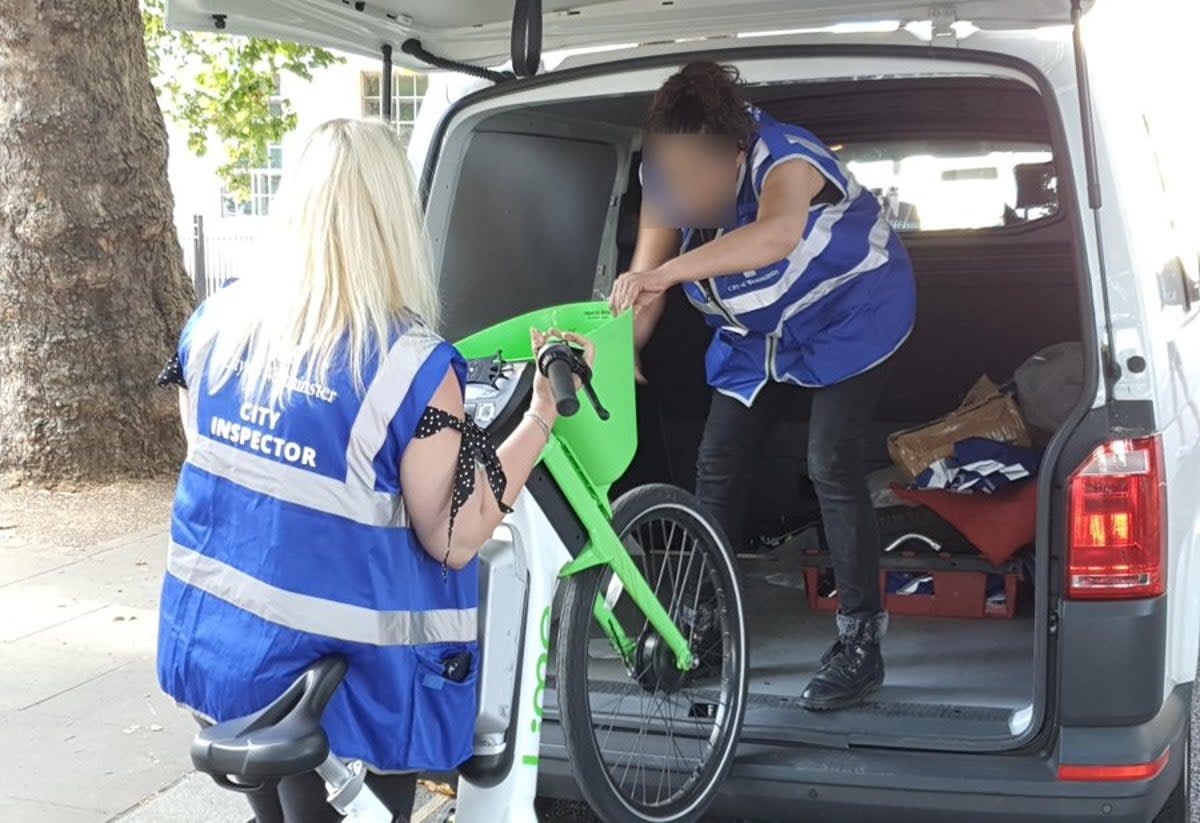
[[1112, 368], [943, 19]]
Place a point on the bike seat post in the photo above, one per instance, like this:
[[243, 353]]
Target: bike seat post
[[348, 793]]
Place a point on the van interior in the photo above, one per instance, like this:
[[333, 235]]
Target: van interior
[[544, 191]]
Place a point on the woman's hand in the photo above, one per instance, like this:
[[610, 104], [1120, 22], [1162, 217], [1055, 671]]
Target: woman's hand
[[543, 403], [638, 288]]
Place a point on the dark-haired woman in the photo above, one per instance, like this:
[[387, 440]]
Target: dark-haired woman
[[807, 289]]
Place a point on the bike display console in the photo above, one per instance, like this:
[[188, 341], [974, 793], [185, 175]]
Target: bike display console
[[496, 392]]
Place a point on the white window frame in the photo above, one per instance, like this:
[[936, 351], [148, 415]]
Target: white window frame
[[408, 89]]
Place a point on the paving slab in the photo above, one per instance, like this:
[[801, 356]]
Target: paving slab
[[127, 697], [84, 763], [33, 811], [41, 666], [30, 608], [21, 562], [194, 799]]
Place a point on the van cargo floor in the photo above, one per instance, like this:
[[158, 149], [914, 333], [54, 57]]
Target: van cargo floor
[[951, 683], [946, 678]]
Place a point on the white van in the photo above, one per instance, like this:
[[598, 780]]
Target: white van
[[1039, 213]]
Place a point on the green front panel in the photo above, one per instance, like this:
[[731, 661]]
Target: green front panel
[[604, 449]]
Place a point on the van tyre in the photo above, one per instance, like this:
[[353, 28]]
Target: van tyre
[[608, 711]]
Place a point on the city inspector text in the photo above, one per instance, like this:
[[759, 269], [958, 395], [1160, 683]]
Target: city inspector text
[[248, 433]]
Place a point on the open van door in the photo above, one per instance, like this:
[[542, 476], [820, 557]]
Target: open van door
[[478, 32]]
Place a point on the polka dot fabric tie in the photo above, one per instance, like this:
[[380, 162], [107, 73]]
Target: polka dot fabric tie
[[172, 374], [476, 449]]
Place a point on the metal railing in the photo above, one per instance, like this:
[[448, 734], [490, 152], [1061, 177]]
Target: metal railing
[[218, 251]]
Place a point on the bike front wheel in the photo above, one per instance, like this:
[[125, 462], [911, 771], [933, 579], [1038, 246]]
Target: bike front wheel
[[648, 742]]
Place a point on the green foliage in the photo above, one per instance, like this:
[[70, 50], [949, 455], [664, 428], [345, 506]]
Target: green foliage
[[225, 89]]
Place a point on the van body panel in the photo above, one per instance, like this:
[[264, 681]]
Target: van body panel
[[1150, 227], [1181, 441]]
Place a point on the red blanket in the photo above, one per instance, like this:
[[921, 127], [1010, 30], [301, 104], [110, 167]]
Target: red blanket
[[999, 524]]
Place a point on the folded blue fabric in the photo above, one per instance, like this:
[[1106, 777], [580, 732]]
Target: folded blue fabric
[[981, 465], [905, 583]]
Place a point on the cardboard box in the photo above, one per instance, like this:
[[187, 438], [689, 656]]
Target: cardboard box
[[985, 412]]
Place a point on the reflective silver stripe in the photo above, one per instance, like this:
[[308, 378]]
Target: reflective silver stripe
[[876, 256], [847, 190], [803, 159], [760, 155], [816, 149], [292, 484], [315, 615], [197, 362], [808, 250], [387, 391]]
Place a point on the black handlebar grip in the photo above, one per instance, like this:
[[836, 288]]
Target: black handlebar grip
[[562, 384]]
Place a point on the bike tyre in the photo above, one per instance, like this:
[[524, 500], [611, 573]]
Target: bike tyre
[[610, 802]]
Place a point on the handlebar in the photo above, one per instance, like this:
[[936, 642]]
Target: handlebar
[[562, 364], [556, 363]]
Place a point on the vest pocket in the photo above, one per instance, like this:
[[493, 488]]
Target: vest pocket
[[443, 710]]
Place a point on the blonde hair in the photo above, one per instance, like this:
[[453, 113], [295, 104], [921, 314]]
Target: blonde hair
[[349, 261]]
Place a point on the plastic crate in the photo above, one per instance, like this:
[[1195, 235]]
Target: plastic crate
[[959, 585]]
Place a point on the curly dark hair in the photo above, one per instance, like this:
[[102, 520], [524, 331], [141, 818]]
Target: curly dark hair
[[702, 98]]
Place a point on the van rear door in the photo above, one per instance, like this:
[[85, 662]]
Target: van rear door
[[478, 31]]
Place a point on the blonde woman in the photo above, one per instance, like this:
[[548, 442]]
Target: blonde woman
[[330, 501]]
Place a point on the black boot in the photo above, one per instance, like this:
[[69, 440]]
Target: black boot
[[852, 669]]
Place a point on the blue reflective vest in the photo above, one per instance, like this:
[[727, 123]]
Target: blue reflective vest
[[841, 303], [289, 542]]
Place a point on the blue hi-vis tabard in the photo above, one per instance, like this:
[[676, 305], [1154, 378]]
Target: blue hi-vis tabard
[[981, 465], [289, 542], [843, 302]]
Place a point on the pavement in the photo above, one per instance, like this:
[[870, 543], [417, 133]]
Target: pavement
[[87, 735]]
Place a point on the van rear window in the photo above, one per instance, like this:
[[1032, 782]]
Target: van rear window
[[939, 185]]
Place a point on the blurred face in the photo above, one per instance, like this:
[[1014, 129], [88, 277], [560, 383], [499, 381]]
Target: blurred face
[[691, 179]]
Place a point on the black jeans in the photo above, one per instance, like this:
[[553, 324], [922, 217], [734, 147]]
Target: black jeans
[[302, 799], [734, 436]]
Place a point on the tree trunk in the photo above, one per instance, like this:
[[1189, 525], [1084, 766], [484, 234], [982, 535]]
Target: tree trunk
[[92, 288]]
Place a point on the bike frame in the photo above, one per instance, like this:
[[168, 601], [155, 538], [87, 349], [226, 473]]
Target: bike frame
[[604, 548], [587, 494], [536, 543]]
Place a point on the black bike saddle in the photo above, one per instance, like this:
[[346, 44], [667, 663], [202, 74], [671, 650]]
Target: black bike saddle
[[282, 740]]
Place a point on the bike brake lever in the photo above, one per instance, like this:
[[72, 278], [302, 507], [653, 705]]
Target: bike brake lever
[[601, 412], [581, 369]]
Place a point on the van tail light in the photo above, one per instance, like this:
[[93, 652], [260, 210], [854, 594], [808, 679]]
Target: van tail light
[[1117, 522]]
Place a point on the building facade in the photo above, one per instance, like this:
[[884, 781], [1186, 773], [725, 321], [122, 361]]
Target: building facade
[[217, 230]]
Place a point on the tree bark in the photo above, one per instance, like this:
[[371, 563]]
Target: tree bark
[[92, 288]]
